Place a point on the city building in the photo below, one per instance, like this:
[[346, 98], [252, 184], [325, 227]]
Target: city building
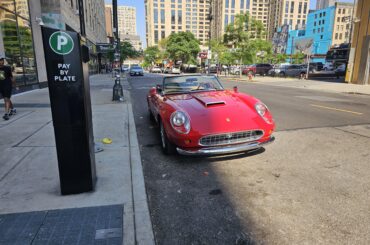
[[342, 23], [287, 12], [327, 28], [164, 17], [109, 21], [321, 4], [126, 16], [21, 40], [224, 11], [358, 70], [134, 40]]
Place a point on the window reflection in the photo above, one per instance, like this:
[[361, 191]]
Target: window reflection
[[21, 7], [7, 4], [28, 60]]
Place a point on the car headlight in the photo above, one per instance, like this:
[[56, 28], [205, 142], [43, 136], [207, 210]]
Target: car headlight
[[180, 122], [264, 112]]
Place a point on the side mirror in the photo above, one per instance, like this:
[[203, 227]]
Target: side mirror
[[235, 89], [159, 88], [153, 90]]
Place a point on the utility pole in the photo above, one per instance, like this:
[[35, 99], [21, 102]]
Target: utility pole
[[117, 55]]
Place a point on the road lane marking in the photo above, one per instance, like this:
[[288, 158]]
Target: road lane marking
[[336, 109]]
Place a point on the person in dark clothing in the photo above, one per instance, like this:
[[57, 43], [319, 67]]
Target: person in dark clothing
[[6, 82]]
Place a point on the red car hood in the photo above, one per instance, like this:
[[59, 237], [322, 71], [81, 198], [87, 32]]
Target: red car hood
[[218, 112]]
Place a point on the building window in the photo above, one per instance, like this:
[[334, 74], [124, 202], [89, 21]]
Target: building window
[[338, 19], [163, 34], [323, 14], [227, 4], [305, 8], [344, 11], [233, 4], [155, 36], [241, 4], [323, 22], [321, 37], [156, 16], [314, 31], [173, 16], [179, 17], [322, 29], [339, 11], [340, 36], [163, 16], [292, 7], [286, 6], [226, 20], [336, 36]]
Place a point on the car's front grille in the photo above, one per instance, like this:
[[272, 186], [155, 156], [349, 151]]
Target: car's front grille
[[231, 138]]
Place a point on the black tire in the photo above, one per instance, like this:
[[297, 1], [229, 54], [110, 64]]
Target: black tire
[[151, 116], [168, 148], [282, 74]]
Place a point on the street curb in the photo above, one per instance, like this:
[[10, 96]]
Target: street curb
[[142, 222]]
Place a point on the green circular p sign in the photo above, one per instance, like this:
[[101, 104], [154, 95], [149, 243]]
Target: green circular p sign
[[61, 43]]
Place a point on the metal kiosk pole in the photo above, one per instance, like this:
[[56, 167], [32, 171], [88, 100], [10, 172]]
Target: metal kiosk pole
[[69, 91]]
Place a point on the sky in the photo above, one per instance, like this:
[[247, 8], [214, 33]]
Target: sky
[[140, 14]]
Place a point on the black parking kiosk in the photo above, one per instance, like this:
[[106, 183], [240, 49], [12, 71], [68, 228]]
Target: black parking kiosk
[[69, 92]]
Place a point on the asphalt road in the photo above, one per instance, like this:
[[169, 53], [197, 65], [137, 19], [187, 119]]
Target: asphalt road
[[303, 188]]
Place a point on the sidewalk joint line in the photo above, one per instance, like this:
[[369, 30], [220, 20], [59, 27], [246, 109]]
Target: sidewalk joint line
[[15, 165], [350, 132], [18, 118], [29, 136]]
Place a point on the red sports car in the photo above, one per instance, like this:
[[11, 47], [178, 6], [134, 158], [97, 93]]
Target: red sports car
[[197, 116]]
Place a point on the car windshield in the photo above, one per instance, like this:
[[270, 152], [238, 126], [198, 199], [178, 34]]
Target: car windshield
[[186, 84]]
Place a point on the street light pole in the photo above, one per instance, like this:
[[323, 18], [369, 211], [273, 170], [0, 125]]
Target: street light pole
[[82, 17]]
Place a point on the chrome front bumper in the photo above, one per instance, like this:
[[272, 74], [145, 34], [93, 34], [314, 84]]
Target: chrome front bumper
[[225, 149]]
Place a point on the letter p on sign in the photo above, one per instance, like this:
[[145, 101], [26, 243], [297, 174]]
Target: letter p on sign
[[61, 43]]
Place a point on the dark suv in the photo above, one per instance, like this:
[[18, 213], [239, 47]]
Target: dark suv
[[261, 69]]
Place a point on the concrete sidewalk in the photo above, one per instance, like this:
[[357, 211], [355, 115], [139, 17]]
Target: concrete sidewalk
[[328, 85], [32, 211]]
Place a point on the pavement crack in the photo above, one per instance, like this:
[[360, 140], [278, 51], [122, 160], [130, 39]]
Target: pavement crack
[[350, 132]]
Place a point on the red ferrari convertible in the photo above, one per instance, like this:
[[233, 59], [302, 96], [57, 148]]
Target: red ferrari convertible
[[197, 116]]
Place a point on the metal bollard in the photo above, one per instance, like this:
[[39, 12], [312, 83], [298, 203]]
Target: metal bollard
[[117, 89]]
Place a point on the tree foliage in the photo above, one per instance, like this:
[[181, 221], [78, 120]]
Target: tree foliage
[[128, 51], [152, 54], [245, 38], [182, 46]]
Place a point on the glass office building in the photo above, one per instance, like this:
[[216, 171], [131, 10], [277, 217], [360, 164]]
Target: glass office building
[[16, 41]]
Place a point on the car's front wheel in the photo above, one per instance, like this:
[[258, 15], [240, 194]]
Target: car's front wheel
[[168, 148]]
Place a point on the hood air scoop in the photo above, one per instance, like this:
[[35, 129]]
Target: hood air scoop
[[209, 101]]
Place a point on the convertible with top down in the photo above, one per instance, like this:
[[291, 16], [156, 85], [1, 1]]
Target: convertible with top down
[[197, 116]]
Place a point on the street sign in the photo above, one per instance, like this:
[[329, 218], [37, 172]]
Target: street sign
[[69, 92]]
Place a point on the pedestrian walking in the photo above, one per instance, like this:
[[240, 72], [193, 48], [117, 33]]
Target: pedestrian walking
[[7, 81]]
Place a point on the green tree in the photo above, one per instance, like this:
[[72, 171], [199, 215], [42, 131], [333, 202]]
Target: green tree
[[152, 54], [128, 51], [298, 58], [182, 46], [245, 38]]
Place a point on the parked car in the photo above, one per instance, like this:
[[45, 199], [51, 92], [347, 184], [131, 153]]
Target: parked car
[[125, 68], [261, 69], [136, 70], [175, 70], [213, 69], [186, 106], [340, 70], [329, 66], [316, 66], [288, 71], [156, 69], [235, 70]]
